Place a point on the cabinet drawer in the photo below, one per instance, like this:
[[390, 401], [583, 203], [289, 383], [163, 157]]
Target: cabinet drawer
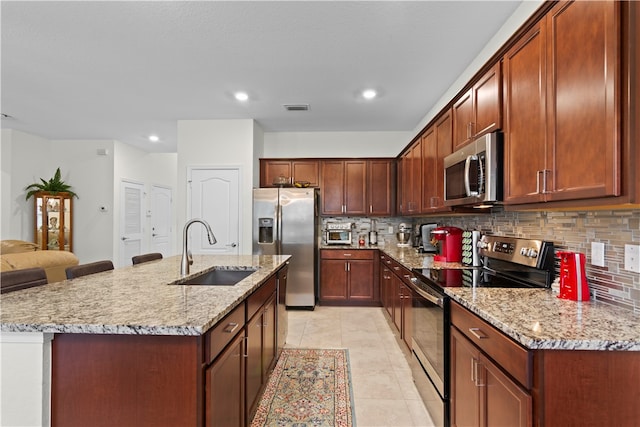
[[260, 296], [399, 270], [347, 254], [503, 350], [224, 331]]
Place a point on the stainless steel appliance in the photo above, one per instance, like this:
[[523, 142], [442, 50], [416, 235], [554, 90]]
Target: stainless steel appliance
[[506, 263], [473, 174], [338, 233], [285, 221]]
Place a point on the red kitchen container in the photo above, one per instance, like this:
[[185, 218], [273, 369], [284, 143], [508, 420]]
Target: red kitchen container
[[573, 277]]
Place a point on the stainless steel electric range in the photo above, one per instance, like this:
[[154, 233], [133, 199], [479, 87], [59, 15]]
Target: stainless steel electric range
[[506, 262]]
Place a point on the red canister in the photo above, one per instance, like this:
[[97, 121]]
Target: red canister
[[573, 277]]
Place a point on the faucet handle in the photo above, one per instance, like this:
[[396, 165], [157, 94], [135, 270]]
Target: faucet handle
[[189, 257]]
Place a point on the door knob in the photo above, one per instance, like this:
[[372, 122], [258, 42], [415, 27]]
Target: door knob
[[233, 245], [124, 238]]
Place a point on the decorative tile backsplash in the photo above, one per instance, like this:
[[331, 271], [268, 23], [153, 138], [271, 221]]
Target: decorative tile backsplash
[[572, 231]]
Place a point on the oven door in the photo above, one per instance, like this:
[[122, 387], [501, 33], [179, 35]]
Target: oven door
[[430, 352]]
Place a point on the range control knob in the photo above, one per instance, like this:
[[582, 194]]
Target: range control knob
[[532, 253]]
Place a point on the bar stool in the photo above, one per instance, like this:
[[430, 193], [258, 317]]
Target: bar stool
[[89, 268], [14, 280], [139, 259]]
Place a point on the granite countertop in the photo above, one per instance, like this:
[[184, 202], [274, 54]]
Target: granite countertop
[[539, 320], [141, 299]]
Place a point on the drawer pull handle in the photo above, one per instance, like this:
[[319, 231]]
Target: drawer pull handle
[[346, 254], [477, 332], [230, 327]]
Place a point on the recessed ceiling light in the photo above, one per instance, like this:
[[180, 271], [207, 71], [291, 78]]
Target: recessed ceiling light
[[154, 138], [369, 94], [241, 96]]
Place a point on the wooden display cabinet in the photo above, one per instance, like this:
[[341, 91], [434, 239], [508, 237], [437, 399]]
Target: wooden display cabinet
[[53, 219]]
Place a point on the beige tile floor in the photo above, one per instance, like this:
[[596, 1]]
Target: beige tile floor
[[383, 390]]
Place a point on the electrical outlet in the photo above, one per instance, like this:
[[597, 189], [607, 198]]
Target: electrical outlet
[[632, 258], [391, 229], [597, 254]]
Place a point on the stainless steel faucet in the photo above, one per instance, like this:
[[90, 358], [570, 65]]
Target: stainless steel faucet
[[187, 259]]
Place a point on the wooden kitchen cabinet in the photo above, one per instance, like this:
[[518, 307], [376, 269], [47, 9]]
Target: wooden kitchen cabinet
[[381, 186], [292, 169], [436, 145], [479, 110], [398, 296], [483, 392], [411, 179], [261, 343], [348, 277], [224, 398], [343, 187], [562, 106], [386, 285]]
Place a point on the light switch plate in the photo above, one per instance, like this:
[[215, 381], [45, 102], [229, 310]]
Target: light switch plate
[[632, 258], [597, 254], [391, 229]]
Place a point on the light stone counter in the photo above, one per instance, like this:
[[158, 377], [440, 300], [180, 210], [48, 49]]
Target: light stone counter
[[539, 320], [535, 318], [140, 299]]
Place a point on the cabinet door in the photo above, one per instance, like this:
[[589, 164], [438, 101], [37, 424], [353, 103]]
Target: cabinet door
[[429, 170], [407, 315], [462, 120], [583, 102], [487, 96], [224, 391], [416, 178], [269, 337], [333, 279], [504, 402], [396, 301], [380, 187], [444, 142], [306, 170], [355, 187], [361, 280], [465, 394], [404, 184], [525, 117], [332, 187], [253, 362], [272, 169]]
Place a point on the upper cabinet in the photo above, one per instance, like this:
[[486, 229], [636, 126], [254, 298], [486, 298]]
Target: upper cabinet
[[273, 172], [381, 178], [343, 187], [562, 106], [411, 179], [436, 145], [479, 110]]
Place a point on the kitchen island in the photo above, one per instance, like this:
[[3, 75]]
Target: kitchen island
[[132, 346]]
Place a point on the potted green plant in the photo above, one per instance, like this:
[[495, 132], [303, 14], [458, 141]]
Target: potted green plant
[[54, 186]]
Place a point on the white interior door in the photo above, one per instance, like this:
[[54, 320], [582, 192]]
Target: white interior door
[[131, 221], [215, 198], [161, 220]]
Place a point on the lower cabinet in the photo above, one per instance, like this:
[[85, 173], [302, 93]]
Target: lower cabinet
[[490, 375], [397, 296], [482, 394], [348, 277], [225, 387]]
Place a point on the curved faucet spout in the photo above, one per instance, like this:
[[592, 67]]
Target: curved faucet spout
[[187, 260]]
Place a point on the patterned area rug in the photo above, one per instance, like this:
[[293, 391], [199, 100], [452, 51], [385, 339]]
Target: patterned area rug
[[307, 388]]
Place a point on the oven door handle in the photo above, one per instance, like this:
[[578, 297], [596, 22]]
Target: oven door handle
[[431, 298]]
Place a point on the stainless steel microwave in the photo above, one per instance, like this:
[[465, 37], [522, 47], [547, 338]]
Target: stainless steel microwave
[[473, 174]]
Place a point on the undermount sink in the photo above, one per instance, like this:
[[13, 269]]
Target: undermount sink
[[220, 277]]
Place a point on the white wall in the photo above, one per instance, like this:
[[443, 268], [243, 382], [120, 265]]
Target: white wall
[[217, 143], [25, 159], [515, 21], [335, 144]]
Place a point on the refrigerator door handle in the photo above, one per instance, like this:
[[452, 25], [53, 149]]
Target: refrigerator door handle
[[279, 231]]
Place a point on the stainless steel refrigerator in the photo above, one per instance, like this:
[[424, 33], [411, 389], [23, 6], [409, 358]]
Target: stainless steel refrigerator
[[285, 222]]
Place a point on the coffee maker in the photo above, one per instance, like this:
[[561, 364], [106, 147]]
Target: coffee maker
[[573, 276], [449, 240], [426, 245]]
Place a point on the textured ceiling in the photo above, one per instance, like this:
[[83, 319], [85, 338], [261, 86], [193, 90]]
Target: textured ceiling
[[121, 70]]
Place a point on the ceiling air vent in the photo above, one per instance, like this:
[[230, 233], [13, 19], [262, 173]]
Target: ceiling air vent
[[296, 107]]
